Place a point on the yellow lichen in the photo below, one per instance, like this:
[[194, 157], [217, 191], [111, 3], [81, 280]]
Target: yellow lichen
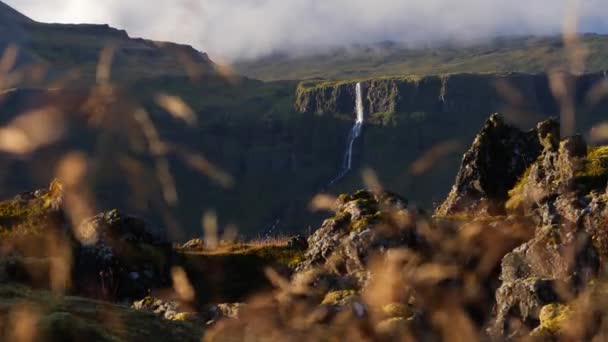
[[396, 310], [553, 316], [336, 297], [185, 316]]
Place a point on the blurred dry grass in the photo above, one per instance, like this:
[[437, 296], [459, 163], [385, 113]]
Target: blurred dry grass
[[398, 274]]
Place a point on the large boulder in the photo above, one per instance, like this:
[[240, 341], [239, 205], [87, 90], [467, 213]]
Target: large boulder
[[124, 261], [364, 223]]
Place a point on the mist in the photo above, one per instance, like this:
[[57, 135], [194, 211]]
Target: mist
[[243, 29]]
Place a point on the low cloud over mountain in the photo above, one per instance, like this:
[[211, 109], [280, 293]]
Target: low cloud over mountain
[[251, 28]]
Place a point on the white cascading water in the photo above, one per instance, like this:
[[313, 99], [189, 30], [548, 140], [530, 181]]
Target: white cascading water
[[354, 134], [347, 165]]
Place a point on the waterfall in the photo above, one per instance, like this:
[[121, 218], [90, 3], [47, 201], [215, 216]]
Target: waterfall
[[354, 134], [347, 164]]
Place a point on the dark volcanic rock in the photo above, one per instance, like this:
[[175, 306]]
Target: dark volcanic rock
[[499, 156]]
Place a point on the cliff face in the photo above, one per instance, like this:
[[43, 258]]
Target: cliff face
[[462, 93]]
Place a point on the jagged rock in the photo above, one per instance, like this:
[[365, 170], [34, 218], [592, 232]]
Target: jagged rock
[[561, 192], [499, 156], [522, 299], [551, 267]]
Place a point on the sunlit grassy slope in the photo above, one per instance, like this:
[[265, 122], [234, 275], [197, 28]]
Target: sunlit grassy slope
[[523, 54]]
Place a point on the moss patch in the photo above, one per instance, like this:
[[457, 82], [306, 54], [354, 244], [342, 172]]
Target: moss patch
[[594, 173], [516, 195]]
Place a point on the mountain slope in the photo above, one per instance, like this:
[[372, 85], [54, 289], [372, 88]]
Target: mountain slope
[[75, 50], [9, 14]]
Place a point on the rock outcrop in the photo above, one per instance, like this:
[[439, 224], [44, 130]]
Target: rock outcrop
[[110, 256], [123, 259], [499, 156], [364, 223]]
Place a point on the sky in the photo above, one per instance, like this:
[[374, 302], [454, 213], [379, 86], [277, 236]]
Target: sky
[[242, 29]]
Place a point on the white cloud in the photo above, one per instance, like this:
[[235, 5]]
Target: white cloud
[[249, 28]]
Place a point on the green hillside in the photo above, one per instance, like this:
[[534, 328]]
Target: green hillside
[[523, 54]]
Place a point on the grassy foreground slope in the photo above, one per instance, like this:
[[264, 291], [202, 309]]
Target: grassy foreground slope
[[522, 54], [36, 315]]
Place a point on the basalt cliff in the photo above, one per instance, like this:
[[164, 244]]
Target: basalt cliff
[[446, 94]]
